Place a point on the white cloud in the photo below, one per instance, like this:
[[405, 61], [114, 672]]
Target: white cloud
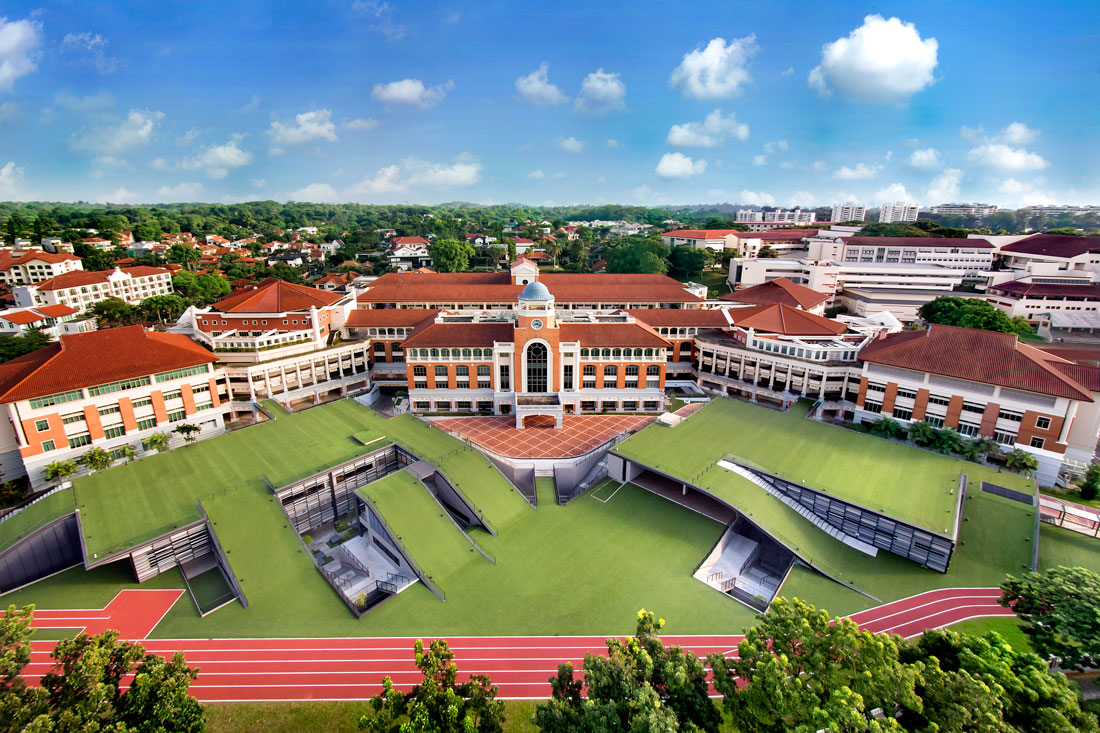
[[893, 192], [412, 173], [789, 71], [9, 111], [971, 133], [386, 180], [159, 164], [819, 166], [11, 182], [714, 130], [571, 144], [881, 62], [360, 124], [411, 92], [801, 198], [19, 42], [119, 196], [759, 160], [1005, 158], [678, 165], [778, 146], [94, 47], [1028, 193], [859, 173], [536, 175], [251, 104], [536, 88], [316, 124], [90, 103], [217, 160], [944, 187], [559, 175], [716, 71], [928, 158], [645, 195], [118, 136], [1017, 133], [111, 161], [315, 192], [258, 182], [613, 143], [385, 23], [601, 92], [188, 137], [180, 192], [754, 198]]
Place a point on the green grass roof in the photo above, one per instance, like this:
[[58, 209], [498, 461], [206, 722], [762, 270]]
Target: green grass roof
[[1058, 546], [421, 525], [902, 481], [37, 515]]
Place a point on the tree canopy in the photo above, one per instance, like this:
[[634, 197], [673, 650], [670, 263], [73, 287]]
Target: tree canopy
[[450, 255], [647, 255], [951, 310], [1060, 609]]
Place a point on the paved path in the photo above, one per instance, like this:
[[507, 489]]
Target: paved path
[[1071, 516], [352, 669]]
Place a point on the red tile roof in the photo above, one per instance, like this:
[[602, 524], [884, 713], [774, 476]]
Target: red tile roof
[[431, 334], [1053, 245], [33, 315], [780, 235], [613, 334], [1040, 289], [704, 233], [782, 319], [56, 311], [977, 356], [78, 278], [275, 296], [950, 242], [8, 258], [780, 290], [389, 317], [408, 241], [97, 357], [698, 317], [23, 317]]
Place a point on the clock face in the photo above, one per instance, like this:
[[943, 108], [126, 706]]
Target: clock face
[[536, 324]]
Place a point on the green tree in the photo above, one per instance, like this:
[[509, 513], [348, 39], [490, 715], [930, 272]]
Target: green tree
[[969, 450], [157, 442], [767, 252], [439, 704], [13, 346], [1090, 486], [60, 470], [189, 432], [1060, 609], [886, 427], [946, 440], [97, 459], [922, 433], [639, 255], [640, 685], [113, 311], [450, 255], [162, 308], [686, 262], [1021, 461], [951, 310], [205, 288], [184, 254], [127, 452]]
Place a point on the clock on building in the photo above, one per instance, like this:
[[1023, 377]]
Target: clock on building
[[536, 324]]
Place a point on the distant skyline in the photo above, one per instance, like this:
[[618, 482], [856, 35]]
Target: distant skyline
[[551, 104]]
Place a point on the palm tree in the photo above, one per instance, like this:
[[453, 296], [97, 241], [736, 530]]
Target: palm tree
[[970, 450], [988, 447], [946, 440], [157, 442], [922, 433], [1021, 461], [886, 427], [127, 452], [187, 431], [97, 459], [60, 470]]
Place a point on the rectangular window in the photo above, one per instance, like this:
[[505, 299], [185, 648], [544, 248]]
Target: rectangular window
[[909, 394], [441, 373], [57, 399], [610, 370], [185, 372], [1035, 442], [420, 371], [651, 406], [1013, 416], [484, 406], [903, 413], [114, 432], [109, 410], [589, 370], [201, 389], [632, 370], [423, 405], [142, 402], [443, 406], [875, 407], [505, 380], [1004, 438], [176, 416], [972, 407], [464, 406], [483, 371], [118, 386], [1042, 423], [204, 406], [41, 425], [78, 441], [609, 406], [630, 406], [968, 429], [73, 418], [567, 377], [937, 400], [47, 446], [872, 387], [147, 424], [588, 407]]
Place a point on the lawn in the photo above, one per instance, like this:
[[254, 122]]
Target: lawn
[[1059, 546], [1006, 626], [713, 279], [903, 481], [421, 525], [35, 516]]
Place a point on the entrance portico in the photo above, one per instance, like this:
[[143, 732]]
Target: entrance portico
[[531, 404]]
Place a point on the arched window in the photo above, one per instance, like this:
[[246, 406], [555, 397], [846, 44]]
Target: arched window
[[617, 352], [466, 353], [390, 332], [477, 353], [445, 353], [649, 352], [537, 368], [637, 353], [607, 353], [584, 352], [435, 352]]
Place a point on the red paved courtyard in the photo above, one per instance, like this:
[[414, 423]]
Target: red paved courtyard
[[578, 434]]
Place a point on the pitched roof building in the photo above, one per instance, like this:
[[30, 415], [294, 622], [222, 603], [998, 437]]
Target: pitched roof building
[[22, 266], [781, 290], [81, 289]]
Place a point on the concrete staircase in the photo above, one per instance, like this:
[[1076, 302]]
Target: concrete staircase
[[762, 482]]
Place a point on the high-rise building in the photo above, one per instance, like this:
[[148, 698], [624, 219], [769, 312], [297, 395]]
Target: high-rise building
[[746, 216], [778, 216], [964, 209], [897, 212], [850, 211]]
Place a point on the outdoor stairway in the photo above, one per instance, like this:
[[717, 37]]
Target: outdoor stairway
[[815, 520]]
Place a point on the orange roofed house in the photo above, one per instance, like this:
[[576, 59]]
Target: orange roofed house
[[104, 389]]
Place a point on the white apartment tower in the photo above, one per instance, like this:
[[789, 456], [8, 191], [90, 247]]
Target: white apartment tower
[[898, 211], [850, 211]]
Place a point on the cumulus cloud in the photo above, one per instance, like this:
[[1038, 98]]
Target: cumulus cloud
[[944, 187], [19, 44], [759, 160], [646, 195], [859, 173], [258, 182], [971, 133], [120, 195], [570, 144], [11, 182], [360, 124], [316, 124], [115, 136], [801, 198], [717, 70], [754, 198], [714, 130], [180, 192], [88, 103], [188, 137], [601, 92], [778, 146], [884, 61], [315, 192], [411, 92], [678, 165], [928, 158], [1005, 158], [612, 143], [218, 160], [385, 180], [893, 192], [1017, 133], [536, 175], [412, 173], [537, 89], [94, 49]]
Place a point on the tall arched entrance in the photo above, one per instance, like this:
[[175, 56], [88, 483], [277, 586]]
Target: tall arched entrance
[[537, 367]]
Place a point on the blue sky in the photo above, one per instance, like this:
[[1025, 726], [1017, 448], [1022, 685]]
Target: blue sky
[[551, 103]]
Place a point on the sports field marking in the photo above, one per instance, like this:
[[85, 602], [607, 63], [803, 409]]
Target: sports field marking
[[599, 489]]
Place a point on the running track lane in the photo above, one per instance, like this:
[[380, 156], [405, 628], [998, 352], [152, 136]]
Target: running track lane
[[352, 669]]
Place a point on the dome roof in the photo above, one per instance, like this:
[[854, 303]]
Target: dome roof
[[535, 291]]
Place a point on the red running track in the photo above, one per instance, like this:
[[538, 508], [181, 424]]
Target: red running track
[[352, 669]]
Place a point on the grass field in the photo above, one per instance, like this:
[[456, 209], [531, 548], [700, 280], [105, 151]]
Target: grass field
[[906, 482], [38, 514], [1059, 546], [605, 489], [421, 525], [1006, 626]]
